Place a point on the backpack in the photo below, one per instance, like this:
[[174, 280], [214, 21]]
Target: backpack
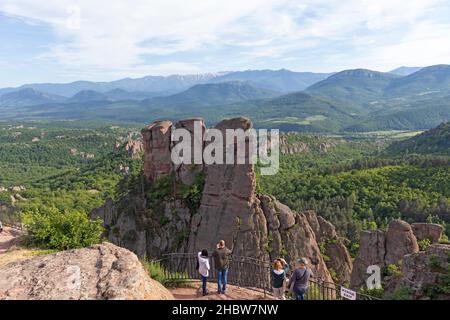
[[291, 285]]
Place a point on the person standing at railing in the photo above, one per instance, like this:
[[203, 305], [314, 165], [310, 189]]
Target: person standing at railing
[[299, 281], [279, 275], [203, 269], [222, 262]]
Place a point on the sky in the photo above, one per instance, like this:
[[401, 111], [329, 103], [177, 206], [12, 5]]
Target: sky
[[104, 40]]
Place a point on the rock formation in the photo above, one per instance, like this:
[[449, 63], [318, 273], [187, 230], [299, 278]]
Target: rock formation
[[104, 271], [335, 253], [371, 252], [157, 144], [187, 172], [430, 231], [133, 148], [400, 240], [252, 225], [395, 247], [422, 273]]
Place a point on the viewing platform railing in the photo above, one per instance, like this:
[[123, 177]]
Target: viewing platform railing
[[245, 272]]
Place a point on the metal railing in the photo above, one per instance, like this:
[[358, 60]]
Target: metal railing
[[244, 272]]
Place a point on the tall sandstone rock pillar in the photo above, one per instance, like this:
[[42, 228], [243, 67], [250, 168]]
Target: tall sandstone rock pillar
[[196, 127], [252, 226], [229, 209], [157, 146]]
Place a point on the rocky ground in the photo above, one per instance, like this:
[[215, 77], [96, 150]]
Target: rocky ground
[[103, 271], [194, 292]]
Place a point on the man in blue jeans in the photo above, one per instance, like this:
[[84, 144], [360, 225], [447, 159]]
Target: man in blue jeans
[[222, 262], [299, 281]]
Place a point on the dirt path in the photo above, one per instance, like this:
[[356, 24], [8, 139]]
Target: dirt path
[[233, 293]]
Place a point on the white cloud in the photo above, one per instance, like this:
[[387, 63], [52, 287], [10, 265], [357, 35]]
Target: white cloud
[[116, 37]]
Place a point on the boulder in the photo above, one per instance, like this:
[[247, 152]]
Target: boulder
[[430, 231], [100, 272], [400, 240]]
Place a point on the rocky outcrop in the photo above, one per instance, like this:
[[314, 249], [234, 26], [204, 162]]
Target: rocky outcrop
[[157, 145], [382, 249], [100, 272], [335, 252], [252, 225], [371, 252], [422, 274], [228, 208], [289, 234], [188, 172], [400, 240], [134, 148], [430, 231]]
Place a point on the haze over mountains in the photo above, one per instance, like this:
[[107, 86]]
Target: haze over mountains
[[350, 100]]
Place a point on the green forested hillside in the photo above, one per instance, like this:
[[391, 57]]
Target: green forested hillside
[[358, 88], [434, 141], [427, 80], [355, 186]]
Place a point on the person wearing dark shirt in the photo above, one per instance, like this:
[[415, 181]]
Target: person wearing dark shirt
[[299, 281], [222, 262], [279, 274]]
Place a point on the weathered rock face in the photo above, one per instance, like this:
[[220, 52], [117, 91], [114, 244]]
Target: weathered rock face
[[157, 145], [338, 258], [133, 148], [421, 270], [291, 235], [430, 231], [229, 209], [105, 272], [382, 249], [400, 240], [371, 252], [188, 172]]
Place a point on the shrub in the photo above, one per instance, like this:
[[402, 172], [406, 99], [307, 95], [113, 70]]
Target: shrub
[[435, 262], [424, 244], [401, 294], [192, 194], [442, 287], [155, 270], [375, 292], [159, 273], [391, 270], [52, 229]]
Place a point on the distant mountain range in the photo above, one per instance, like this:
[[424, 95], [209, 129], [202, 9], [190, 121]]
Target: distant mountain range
[[350, 100], [28, 97], [405, 71], [276, 80]]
